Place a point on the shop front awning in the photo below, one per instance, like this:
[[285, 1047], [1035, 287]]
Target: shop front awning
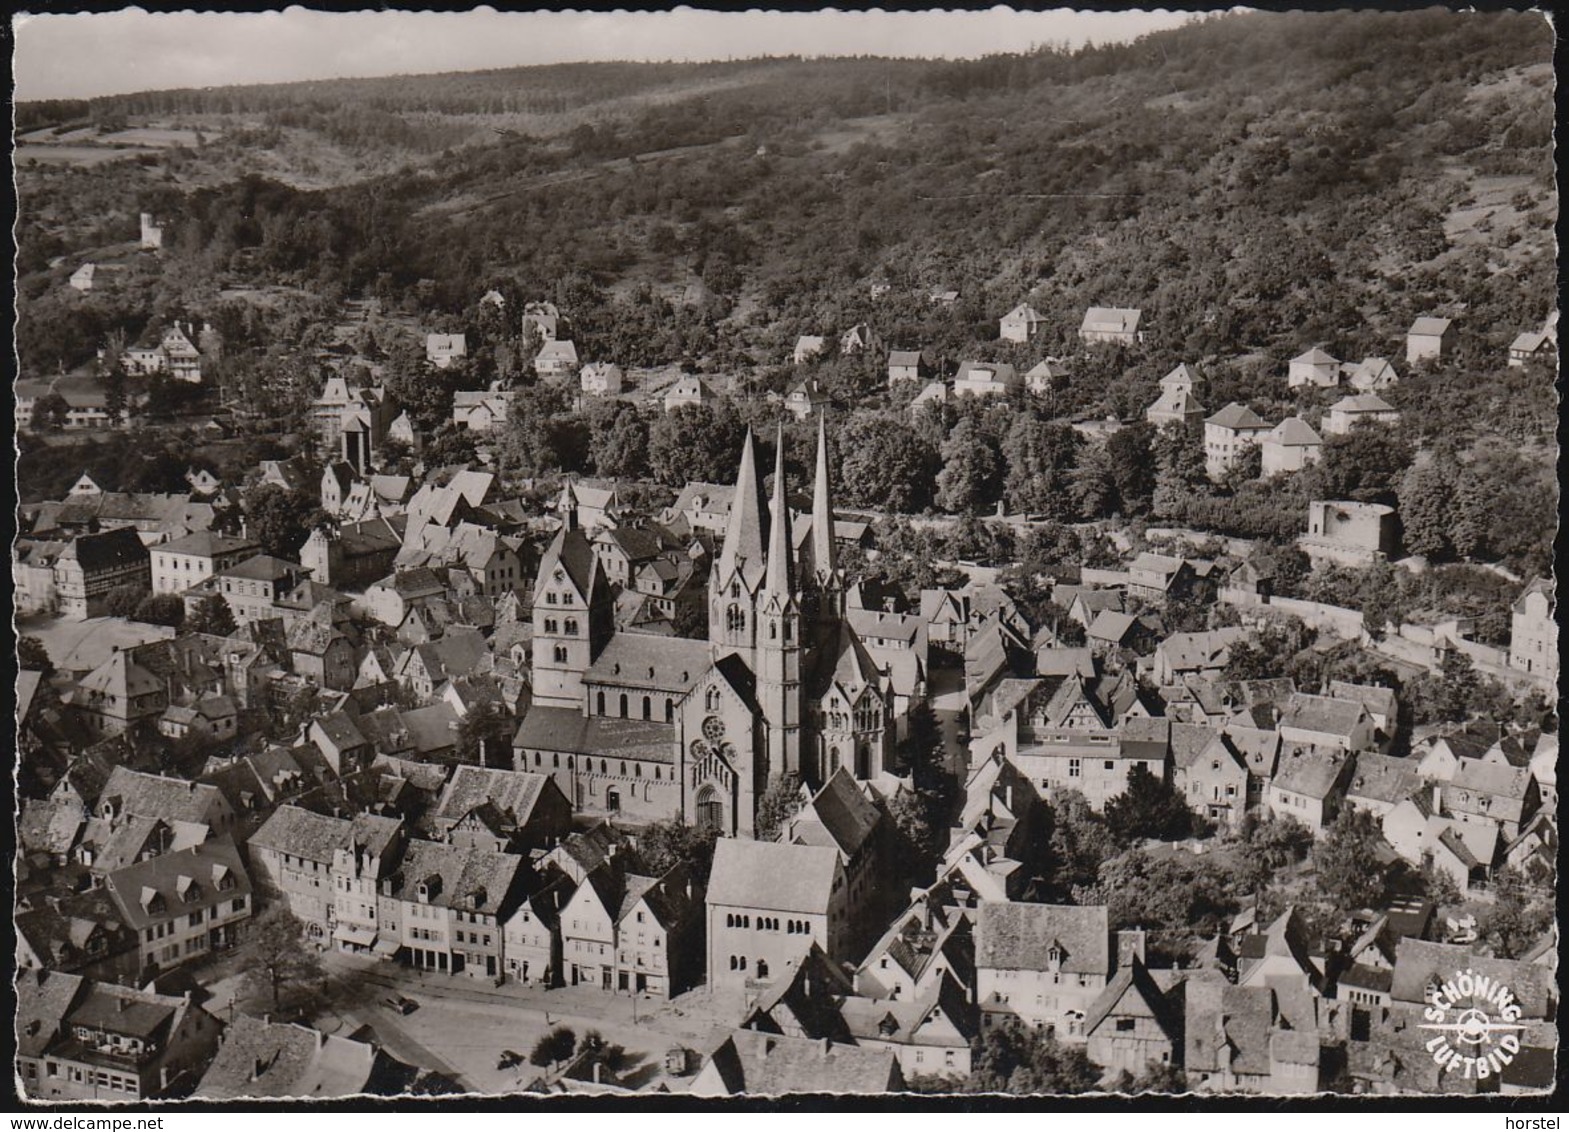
[[386, 945], [358, 937]]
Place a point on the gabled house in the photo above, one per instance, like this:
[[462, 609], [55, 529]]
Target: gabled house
[[688, 390], [1530, 344], [806, 400], [859, 337], [1323, 721], [907, 365], [757, 1064], [503, 810], [289, 1060], [441, 350], [842, 817], [1176, 407], [1289, 447], [1307, 784], [602, 379], [1370, 375], [1425, 339], [1348, 412], [1118, 325], [1491, 795], [931, 1036], [1316, 368], [1228, 434], [1045, 376], [82, 1040], [1248, 1039], [986, 379], [556, 361], [767, 901], [1379, 783], [1020, 324], [1132, 1024], [1041, 964], [1204, 654], [183, 904], [1280, 956], [1533, 632], [635, 934], [91, 565], [531, 936], [807, 347], [1213, 779]]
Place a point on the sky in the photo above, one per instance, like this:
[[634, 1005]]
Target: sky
[[85, 55]]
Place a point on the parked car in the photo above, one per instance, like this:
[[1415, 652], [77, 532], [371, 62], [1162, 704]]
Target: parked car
[[400, 1003]]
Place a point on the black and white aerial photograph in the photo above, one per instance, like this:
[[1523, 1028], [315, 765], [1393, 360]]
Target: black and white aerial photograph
[[707, 554]]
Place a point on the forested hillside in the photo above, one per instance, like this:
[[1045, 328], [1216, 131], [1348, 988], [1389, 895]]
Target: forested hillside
[[1241, 179], [1256, 184]]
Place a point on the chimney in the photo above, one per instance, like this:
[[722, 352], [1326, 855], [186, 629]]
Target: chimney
[[596, 1072], [823, 1045], [1438, 797], [1130, 946]]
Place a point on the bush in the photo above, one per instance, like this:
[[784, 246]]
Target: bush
[[554, 1047]]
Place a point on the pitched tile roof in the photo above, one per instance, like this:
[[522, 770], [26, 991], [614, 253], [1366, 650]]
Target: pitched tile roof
[[568, 730], [772, 875], [759, 1064], [476, 880], [1383, 778], [150, 795], [1322, 714], [302, 833], [643, 660], [1018, 937], [843, 811], [1235, 416], [184, 881], [1418, 962], [1310, 771], [1294, 432], [258, 1058], [511, 793]]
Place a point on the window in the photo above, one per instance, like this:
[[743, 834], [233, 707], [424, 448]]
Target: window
[[1074, 768], [1110, 764], [560, 654], [1125, 1025]]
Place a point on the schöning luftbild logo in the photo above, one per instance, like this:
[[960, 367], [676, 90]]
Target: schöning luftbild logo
[[1476, 1022]]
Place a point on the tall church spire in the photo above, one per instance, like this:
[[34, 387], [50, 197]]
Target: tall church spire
[[824, 560], [778, 651], [743, 548], [781, 546]]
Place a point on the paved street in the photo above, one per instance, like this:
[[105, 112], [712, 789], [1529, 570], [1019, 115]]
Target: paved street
[[464, 1025], [948, 704]]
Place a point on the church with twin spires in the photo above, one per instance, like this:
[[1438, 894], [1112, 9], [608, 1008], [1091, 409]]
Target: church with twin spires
[[651, 727]]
